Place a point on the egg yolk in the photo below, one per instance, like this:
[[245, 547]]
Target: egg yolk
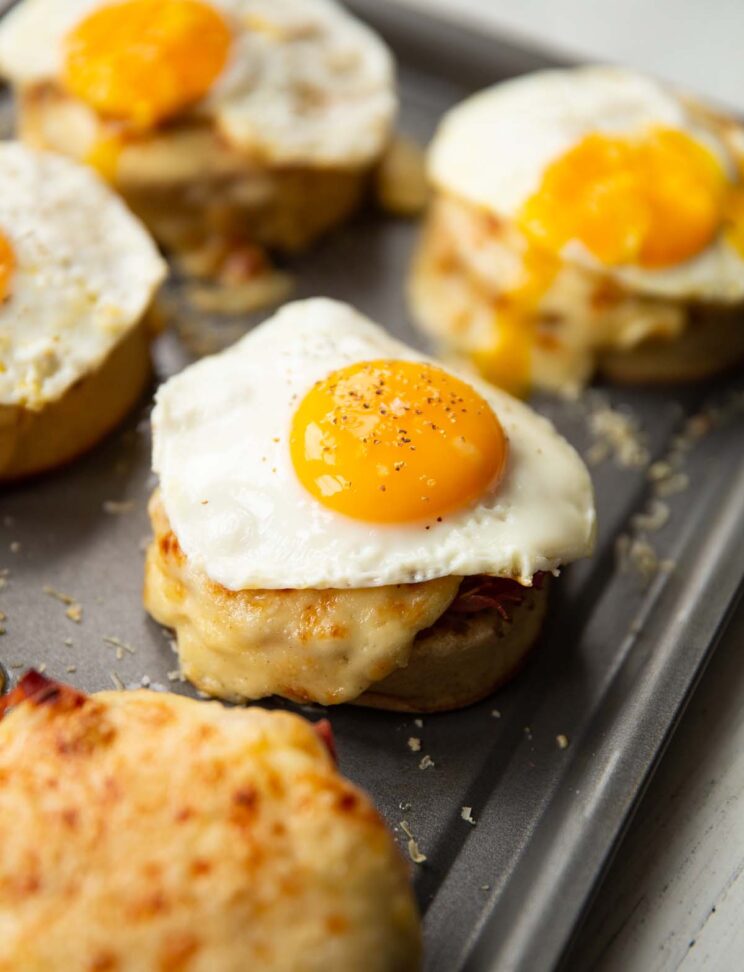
[[7, 265], [396, 442], [653, 201], [507, 360], [143, 61], [735, 219]]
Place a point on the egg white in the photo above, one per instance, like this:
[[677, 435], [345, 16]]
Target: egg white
[[493, 149], [221, 449], [281, 50], [85, 272]]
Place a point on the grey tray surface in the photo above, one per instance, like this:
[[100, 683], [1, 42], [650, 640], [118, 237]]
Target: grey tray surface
[[621, 651]]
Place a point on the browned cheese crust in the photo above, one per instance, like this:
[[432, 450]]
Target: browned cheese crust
[[380, 646], [36, 440], [147, 831]]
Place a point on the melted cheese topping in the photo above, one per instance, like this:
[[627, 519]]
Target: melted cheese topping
[[468, 264], [308, 645], [146, 60], [191, 835], [396, 441]]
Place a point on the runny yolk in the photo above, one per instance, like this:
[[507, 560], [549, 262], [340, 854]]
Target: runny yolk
[[396, 442], [143, 61], [735, 219], [654, 201], [7, 266], [507, 360]]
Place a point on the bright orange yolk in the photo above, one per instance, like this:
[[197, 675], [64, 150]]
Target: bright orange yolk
[[507, 360], [396, 442], [735, 218], [7, 265], [653, 201], [143, 61]]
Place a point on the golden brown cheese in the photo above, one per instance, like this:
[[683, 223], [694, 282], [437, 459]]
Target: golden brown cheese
[[326, 646], [145, 831]]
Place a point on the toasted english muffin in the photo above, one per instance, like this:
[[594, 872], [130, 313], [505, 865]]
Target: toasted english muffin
[[146, 831]]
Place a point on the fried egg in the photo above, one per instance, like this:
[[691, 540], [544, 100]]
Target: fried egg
[[320, 452], [286, 81], [77, 270], [604, 168]]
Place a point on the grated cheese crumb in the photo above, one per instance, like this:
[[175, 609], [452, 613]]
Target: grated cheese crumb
[[414, 744], [118, 507], [562, 741], [414, 852], [426, 762], [74, 610], [467, 815], [75, 613], [617, 434], [653, 518], [670, 485], [121, 646]]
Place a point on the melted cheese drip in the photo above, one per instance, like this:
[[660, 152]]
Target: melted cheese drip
[[144, 61], [7, 266], [395, 442]]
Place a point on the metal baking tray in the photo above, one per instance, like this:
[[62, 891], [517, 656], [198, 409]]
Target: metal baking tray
[[622, 648]]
